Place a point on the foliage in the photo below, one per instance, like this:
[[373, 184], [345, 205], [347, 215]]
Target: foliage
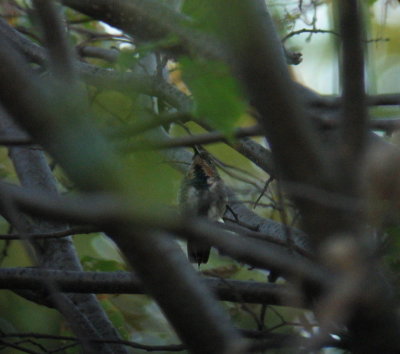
[[148, 173]]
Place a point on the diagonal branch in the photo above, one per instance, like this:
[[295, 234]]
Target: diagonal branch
[[257, 59], [54, 32], [354, 121]]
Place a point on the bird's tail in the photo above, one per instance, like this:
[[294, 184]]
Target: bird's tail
[[198, 252]]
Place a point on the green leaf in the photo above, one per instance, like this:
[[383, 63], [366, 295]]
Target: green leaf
[[113, 107], [201, 13], [215, 92], [115, 315], [145, 168], [103, 265], [144, 317], [126, 60]]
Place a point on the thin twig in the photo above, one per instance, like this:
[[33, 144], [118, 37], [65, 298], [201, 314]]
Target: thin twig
[[135, 345], [200, 139], [55, 234], [306, 30], [267, 183]]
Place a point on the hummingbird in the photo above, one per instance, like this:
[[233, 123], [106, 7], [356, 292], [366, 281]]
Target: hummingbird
[[203, 194]]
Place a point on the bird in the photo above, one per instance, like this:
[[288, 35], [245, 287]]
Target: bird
[[203, 194]]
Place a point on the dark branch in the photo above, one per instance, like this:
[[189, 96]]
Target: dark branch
[[354, 123], [127, 283], [53, 234], [53, 29]]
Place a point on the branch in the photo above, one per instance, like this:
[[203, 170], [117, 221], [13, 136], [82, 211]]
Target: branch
[[272, 237], [54, 234], [333, 103], [389, 125], [192, 140], [150, 20], [127, 283], [354, 121], [260, 341], [387, 99], [60, 53], [110, 55], [131, 344], [257, 59], [305, 30], [12, 134], [21, 140]]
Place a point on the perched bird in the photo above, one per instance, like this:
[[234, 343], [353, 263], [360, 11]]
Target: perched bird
[[202, 194]]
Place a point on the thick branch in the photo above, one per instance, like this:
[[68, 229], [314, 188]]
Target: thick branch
[[51, 234], [127, 283], [54, 32], [150, 20], [354, 121], [258, 60]]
